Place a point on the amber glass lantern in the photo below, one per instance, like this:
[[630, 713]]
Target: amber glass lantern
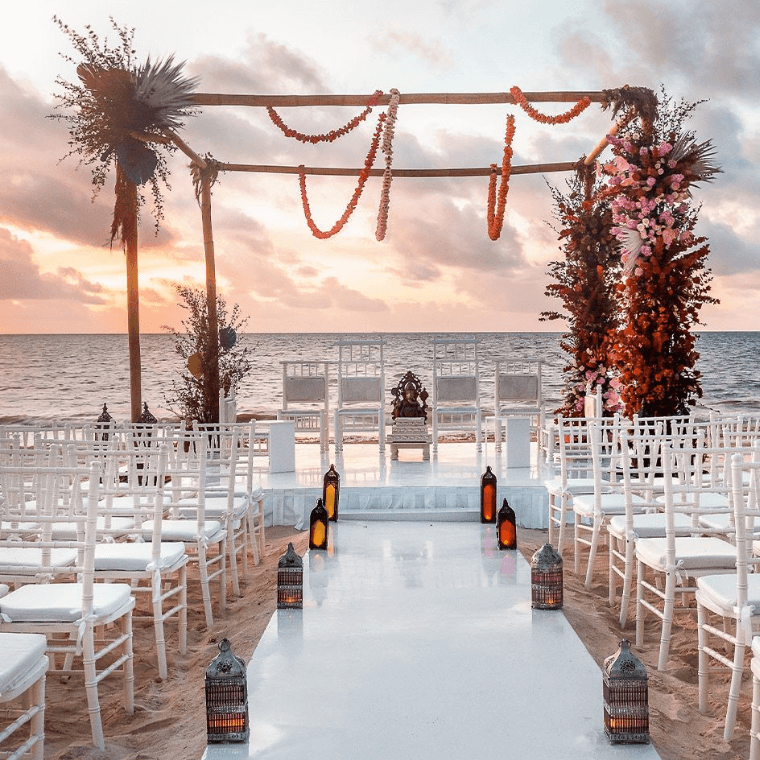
[[506, 527], [290, 580], [626, 698], [546, 579], [226, 698], [318, 527], [488, 497], [331, 493]]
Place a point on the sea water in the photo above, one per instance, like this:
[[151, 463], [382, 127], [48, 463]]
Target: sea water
[[70, 377]]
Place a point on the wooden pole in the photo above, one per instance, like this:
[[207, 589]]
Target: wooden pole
[[345, 172], [133, 301], [211, 375], [442, 98]]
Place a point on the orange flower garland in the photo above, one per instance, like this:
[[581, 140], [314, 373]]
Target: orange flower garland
[[562, 118], [329, 136], [495, 214], [364, 174]]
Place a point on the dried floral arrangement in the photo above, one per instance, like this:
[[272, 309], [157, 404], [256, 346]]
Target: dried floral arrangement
[[666, 281], [123, 113], [584, 280]]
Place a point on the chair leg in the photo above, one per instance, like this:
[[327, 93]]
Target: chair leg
[[667, 619], [625, 595], [205, 591], [158, 627], [183, 610], [129, 664], [754, 732], [91, 686], [564, 503], [595, 534], [229, 547], [703, 659], [737, 670], [640, 609], [37, 723]]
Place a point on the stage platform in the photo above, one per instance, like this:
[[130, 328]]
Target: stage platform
[[447, 487], [418, 640]]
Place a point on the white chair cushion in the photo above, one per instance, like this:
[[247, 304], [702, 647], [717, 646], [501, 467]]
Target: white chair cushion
[[23, 527], [28, 556], [68, 531], [721, 590], [61, 602], [649, 525], [4, 589], [691, 553], [20, 655], [216, 507], [756, 646], [722, 521], [612, 503], [709, 499], [574, 486], [136, 557], [127, 503], [185, 530]]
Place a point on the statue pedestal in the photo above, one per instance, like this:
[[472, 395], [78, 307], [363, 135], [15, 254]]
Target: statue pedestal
[[409, 433]]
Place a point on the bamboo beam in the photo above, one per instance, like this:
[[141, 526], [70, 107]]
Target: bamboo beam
[[185, 148], [603, 143], [344, 172], [442, 98]]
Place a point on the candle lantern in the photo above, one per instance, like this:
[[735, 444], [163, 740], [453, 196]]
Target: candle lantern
[[626, 698], [546, 579], [290, 580], [331, 493], [147, 418], [318, 527], [488, 497], [506, 527], [104, 422], [226, 698]]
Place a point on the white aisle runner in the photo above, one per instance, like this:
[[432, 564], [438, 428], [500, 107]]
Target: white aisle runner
[[417, 640]]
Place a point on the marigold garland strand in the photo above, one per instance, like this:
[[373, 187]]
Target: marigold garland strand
[[562, 118], [368, 163], [495, 214], [387, 148], [329, 136]]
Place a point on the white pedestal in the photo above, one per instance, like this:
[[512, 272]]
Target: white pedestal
[[517, 440], [282, 446]]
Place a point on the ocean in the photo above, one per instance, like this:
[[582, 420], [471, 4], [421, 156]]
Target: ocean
[[70, 377]]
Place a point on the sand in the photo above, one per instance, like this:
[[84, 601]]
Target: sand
[[169, 715]]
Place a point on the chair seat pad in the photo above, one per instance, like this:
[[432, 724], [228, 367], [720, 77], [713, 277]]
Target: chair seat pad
[[216, 507], [68, 531], [21, 655], [649, 525], [721, 591], [709, 499], [136, 557], [722, 521], [186, 530], [62, 602], [22, 527], [28, 556], [756, 646], [127, 503], [612, 503], [691, 553]]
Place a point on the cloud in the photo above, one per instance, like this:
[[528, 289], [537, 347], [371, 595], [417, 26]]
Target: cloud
[[21, 279], [434, 53]]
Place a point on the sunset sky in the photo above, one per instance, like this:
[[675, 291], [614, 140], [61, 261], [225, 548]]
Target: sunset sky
[[437, 269]]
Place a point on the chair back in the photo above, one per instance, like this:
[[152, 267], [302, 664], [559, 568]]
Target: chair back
[[305, 383], [361, 373], [746, 502], [456, 372]]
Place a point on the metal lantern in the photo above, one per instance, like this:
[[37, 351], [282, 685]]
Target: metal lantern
[[626, 698], [104, 422], [506, 527], [226, 698], [147, 418], [290, 580], [318, 527], [331, 492], [488, 497], [546, 579]]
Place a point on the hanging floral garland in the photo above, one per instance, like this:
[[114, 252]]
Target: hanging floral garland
[[387, 148], [363, 175], [562, 118], [329, 136], [495, 213]]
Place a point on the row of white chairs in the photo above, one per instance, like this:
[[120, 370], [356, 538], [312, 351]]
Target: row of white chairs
[[133, 516], [676, 504], [363, 401]]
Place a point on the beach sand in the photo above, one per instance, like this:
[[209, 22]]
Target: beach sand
[[169, 718]]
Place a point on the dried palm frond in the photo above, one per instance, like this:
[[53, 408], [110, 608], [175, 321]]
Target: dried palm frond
[[165, 92]]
